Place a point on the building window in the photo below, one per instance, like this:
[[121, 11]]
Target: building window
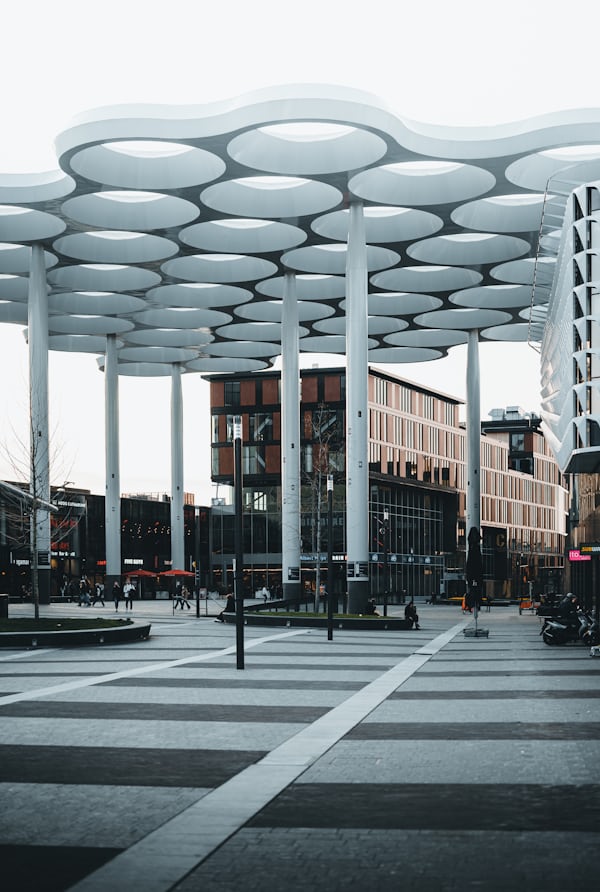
[[253, 460], [406, 399], [261, 427], [381, 392], [517, 442], [232, 393], [229, 428]]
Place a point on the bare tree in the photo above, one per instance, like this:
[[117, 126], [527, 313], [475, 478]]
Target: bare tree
[[323, 456], [24, 504]]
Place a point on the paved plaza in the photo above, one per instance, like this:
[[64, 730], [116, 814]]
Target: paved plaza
[[380, 760]]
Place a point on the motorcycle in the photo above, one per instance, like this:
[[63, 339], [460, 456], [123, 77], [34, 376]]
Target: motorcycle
[[578, 627]]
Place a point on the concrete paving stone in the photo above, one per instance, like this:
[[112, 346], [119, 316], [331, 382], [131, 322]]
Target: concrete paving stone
[[443, 806], [312, 669], [118, 766], [500, 730], [502, 693], [412, 861], [241, 682], [134, 692], [259, 674], [171, 712], [138, 735], [68, 815], [49, 868], [13, 684], [413, 774], [467, 710], [464, 761], [572, 672], [530, 683]]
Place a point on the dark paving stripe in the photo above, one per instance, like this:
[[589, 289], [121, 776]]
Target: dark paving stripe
[[435, 807], [49, 868], [116, 766], [494, 695], [43, 677], [261, 662], [501, 673], [172, 712], [475, 731], [582, 656], [263, 684], [392, 651]]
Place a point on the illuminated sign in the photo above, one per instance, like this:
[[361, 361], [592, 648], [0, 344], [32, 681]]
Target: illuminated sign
[[576, 555]]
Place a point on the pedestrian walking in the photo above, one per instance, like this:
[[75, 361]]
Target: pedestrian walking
[[98, 593], [116, 592], [84, 593], [181, 597], [128, 593]]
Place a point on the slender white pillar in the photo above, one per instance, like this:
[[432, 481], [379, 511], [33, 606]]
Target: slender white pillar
[[357, 419], [473, 505], [39, 483], [290, 442], [112, 501], [177, 525]]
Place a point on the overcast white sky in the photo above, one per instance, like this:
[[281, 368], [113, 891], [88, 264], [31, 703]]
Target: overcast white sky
[[465, 63]]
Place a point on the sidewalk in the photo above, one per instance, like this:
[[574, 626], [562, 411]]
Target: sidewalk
[[422, 760]]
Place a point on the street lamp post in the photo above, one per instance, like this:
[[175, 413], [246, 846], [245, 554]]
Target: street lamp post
[[238, 536], [330, 557]]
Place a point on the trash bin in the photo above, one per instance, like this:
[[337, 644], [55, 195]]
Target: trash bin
[[3, 606]]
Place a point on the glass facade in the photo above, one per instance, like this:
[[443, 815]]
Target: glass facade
[[416, 479]]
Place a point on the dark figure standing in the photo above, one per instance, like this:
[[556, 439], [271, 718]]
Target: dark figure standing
[[474, 570], [116, 593]]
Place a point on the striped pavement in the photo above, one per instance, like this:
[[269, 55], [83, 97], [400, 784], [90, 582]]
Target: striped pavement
[[380, 760]]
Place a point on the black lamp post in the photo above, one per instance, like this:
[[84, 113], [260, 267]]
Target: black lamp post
[[384, 532], [238, 537], [329, 557]]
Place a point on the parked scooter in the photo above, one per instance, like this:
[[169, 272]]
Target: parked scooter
[[577, 626], [589, 633]]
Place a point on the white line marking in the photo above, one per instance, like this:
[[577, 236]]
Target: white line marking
[[140, 670]]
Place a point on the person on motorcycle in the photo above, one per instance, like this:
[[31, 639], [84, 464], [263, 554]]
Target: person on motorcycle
[[568, 607]]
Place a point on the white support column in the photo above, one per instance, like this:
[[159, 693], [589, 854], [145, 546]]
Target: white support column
[[357, 419], [290, 443], [112, 502], [473, 503], [177, 525], [39, 483]]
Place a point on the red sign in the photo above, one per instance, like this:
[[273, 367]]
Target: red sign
[[576, 555]]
